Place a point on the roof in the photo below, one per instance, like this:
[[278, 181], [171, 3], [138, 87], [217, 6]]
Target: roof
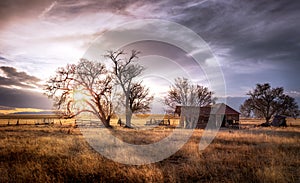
[[223, 108], [219, 108]]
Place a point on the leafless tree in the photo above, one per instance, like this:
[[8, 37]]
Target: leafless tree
[[125, 70], [82, 87], [139, 98], [187, 94], [266, 102]]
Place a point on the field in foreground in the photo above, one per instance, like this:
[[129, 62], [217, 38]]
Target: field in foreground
[[44, 153]]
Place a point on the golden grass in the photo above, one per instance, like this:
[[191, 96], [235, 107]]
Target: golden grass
[[30, 153], [24, 119], [253, 122]]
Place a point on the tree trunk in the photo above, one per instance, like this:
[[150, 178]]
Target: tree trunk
[[106, 122], [268, 120], [128, 112], [128, 117]]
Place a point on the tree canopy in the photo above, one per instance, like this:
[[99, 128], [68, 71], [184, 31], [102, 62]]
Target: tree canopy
[[125, 70], [183, 92], [139, 98], [265, 102], [82, 87], [89, 86]]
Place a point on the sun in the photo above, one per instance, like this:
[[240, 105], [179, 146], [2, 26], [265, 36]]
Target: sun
[[80, 98]]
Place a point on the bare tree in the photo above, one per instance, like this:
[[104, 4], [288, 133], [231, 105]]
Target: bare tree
[[266, 102], [85, 87], [139, 98], [185, 93], [125, 70]]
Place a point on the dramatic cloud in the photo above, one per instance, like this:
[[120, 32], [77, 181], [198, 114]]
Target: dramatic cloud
[[15, 98], [17, 90], [258, 41], [11, 77], [254, 41]]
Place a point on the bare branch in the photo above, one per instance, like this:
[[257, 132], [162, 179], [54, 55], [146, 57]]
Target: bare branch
[[185, 93], [125, 70], [88, 78]]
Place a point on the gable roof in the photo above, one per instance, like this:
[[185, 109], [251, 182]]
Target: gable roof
[[223, 108], [219, 108]]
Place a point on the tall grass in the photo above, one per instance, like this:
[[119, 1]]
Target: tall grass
[[30, 153]]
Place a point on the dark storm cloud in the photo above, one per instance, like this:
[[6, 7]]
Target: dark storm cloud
[[260, 37], [258, 41], [240, 31], [258, 30], [14, 98], [14, 78], [10, 97], [249, 29], [255, 41]]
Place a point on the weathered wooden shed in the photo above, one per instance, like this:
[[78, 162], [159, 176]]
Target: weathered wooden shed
[[228, 115]]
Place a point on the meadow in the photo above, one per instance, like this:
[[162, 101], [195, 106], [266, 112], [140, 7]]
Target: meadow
[[35, 152]]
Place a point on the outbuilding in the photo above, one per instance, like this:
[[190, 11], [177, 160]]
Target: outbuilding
[[200, 116]]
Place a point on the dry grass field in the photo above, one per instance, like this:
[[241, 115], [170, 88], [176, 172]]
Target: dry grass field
[[59, 153]]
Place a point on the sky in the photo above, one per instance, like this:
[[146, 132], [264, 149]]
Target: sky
[[254, 41]]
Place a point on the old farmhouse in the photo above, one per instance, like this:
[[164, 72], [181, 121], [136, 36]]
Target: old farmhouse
[[200, 116]]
